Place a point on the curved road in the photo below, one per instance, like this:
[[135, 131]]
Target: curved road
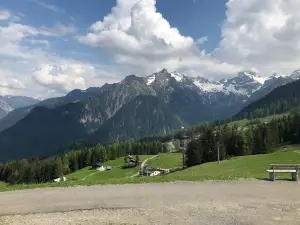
[[142, 165], [239, 202]]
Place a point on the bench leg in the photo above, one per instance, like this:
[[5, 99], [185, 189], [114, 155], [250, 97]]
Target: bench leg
[[295, 176], [272, 176]]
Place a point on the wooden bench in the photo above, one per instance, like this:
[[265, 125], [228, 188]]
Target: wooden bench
[[283, 168]]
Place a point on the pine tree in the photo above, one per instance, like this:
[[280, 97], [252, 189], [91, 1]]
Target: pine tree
[[194, 153]]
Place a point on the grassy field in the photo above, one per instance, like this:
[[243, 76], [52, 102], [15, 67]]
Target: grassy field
[[116, 172], [244, 122], [248, 167], [169, 160], [253, 166]]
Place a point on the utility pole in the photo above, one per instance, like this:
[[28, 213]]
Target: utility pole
[[218, 147], [183, 146]]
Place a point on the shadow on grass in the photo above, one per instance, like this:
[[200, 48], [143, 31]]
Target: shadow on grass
[[277, 179]]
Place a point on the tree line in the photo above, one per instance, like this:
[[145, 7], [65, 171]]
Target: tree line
[[37, 170], [256, 138]]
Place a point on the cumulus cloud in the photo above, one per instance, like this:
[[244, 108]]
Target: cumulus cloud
[[8, 82], [61, 78], [262, 34], [138, 36], [256, 35], [20, 52]]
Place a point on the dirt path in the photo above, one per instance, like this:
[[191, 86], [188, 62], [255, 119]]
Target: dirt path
[[242, 202], [92, 174], [142, 166]]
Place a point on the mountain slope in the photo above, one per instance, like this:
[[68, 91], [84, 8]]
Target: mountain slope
[[5, 108], [16, 115], [9, 103], [145, 115], [20, 101], [279, 100], [41, 133], [134, 107]]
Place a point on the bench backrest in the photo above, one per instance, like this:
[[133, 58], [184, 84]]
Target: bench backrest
[[285, 166]]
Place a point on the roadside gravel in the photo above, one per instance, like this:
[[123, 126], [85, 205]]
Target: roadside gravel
[[212, 202]]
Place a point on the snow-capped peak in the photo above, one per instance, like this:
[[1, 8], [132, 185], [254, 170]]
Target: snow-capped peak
[[256, 77], [150, 79], [275, 75], [178, 76], [295, 75], [206, 85]]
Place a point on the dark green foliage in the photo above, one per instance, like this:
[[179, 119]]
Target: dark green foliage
[[280, 100], [194, 153], [255, 139], [38, 171]]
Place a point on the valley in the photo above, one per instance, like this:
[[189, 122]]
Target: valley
[[149, 112], [133, 108]]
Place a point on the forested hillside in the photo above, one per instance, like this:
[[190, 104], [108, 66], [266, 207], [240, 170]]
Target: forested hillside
[[280, 100], [34, 170], [258, 138]]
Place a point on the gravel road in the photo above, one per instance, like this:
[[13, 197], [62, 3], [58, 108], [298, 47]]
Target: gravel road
[[237, 202]]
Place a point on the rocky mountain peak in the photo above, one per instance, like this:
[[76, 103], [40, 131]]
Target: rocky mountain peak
[[164, 71], [295, 75]]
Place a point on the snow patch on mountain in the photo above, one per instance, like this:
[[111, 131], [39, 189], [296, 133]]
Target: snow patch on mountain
[[255, 77], [295, 75], [232, 89], [150, 80], [5, 106], [208, 86], [178, 76]]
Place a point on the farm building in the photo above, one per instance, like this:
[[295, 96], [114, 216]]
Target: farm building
[[98, 166], [130, 161]]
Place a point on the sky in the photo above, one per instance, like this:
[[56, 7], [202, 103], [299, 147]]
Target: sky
[[50, 47]]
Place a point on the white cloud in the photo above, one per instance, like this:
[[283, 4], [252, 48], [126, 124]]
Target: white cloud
[[259, 35], [138, 36], [9, 82], [5, 14], [201, 40], [58, 30], [39, 42], [58, 77], [10, 38], [51, 7], [262, 34], [21, 51]]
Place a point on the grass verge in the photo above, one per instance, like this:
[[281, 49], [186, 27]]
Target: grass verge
[[247, 167]]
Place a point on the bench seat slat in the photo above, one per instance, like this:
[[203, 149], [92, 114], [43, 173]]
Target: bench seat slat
[[282, 171]]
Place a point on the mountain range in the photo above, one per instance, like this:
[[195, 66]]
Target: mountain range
[[9, 103], [134, 107]]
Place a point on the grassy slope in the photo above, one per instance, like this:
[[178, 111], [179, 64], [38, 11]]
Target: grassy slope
[[239, 167], [253, 166], [244, 122], [169, 160], [116, 172]]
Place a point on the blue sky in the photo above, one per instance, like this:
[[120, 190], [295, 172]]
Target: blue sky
[[49, 47]]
